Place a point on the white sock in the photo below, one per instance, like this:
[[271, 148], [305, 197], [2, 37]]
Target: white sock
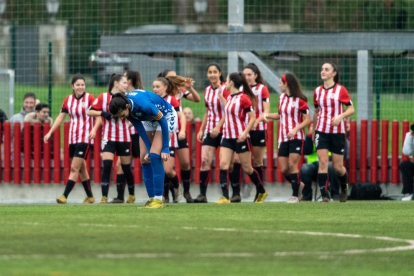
[[158, 197]]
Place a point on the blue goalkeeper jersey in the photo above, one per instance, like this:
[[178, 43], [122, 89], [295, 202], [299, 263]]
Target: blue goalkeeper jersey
[[145, 105]]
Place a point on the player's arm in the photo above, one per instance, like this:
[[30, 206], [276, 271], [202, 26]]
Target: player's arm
[[56, 124], [315, 121], [203, 127], [252, 120], [193, 95], [183, 121], [165, 133], [98, 123], [142, 132]]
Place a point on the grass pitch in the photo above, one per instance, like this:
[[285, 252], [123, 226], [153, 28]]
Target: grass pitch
[[187, 239]]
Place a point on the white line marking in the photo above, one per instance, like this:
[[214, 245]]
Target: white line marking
[[410, 245]]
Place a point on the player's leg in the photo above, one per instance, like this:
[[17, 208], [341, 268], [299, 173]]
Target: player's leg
[[146, 168], [183, 154], [170, 175], [294, 177], [207, 153], [226, 155]]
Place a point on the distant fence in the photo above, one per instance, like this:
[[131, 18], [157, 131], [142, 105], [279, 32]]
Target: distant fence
[[37, 164]]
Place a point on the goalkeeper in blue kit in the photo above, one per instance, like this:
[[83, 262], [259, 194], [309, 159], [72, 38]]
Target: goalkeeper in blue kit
[[155, 120]]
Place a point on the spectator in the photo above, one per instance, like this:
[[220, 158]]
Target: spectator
[[407, 167], [28, 106], [41, 114], [309, 171], [189, 115]]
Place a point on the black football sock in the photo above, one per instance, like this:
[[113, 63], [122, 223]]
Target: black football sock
[[175, 182], [323, 184], [87, 186], [129, 178], [256, 180], [287, 177], [343, 181], [106, 176], [204, 178], [69, 186], [185, 176], [260, 171], [120, 188], [294, 180], [224, 182], [235, 177]]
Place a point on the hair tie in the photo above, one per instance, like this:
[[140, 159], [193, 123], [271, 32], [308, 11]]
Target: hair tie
[[284, 79]]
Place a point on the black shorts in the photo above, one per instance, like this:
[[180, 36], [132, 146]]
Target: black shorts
[[120, 148], [291, 146], [80, 150], [212, 142], [172, 152], [182, 144], [258, 138], [333, 142], [135, 145], [237, 147]]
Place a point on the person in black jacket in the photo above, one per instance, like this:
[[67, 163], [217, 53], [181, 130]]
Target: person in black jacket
[[407, 167]]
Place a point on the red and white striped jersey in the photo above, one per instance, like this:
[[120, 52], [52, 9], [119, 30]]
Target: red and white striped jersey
[[329, 101], [262, 95], [182, 94], [236, 109], [80, 123], [215, 108], [112, 130], [177, 106], [291, 110]]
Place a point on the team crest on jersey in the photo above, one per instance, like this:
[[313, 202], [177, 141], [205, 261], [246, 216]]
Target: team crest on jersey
[[83, 104]]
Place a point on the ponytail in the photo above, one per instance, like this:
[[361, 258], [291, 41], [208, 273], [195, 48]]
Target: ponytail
[[114, 77], [255, 69], [239, 80], [174, 84], [294, 86], [135, 78]]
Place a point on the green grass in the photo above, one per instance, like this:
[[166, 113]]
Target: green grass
[[69, 239]]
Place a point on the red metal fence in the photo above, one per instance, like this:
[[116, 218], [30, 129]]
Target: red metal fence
[[37, 159]]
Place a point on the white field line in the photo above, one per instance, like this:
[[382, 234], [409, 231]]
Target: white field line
[[410, 245]]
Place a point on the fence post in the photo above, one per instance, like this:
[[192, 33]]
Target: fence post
[[405, 129], [353, 153], [197, 155], [189, 131], [384, 151], [37, 152], [66, 158], [46, 155], [17, 154], [97, 157], [269, 152], [7, 152], [395, 152], [217, 167], [374, 151], [363, 151], [137, 170], [27, 153], [279, 174], [56, 156]]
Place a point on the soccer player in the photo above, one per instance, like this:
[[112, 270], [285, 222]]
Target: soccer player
[[76, 105], [329, 133], [115, 138], [182, 151], [134, 81], [167, 88], [215, 96], [156, 121], [294, 117], [258, 134], [236, 134]]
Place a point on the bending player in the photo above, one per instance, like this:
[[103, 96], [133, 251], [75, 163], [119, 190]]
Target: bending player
[[156, 121]]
